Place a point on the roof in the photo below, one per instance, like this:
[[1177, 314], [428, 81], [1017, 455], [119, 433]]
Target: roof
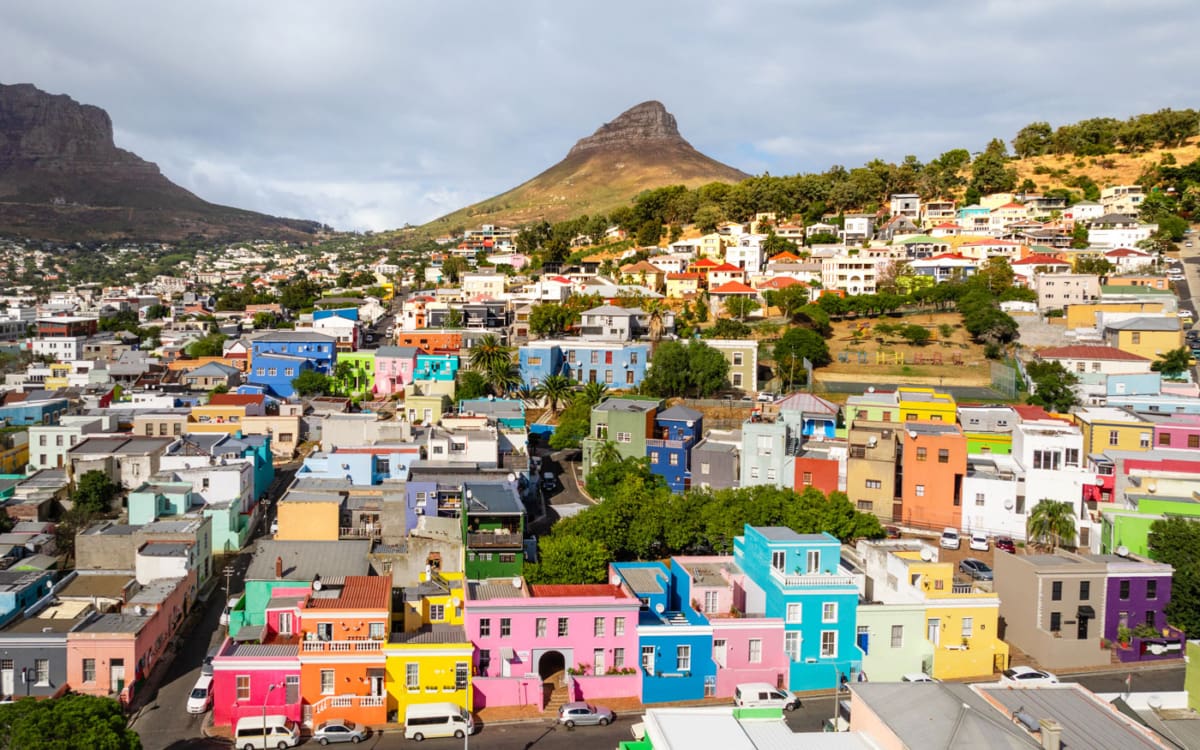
[[1145, 323], [806, 402], [119, 444], [1086, 720], [235, 399], [722, 727], [287, 337], [941, 715], [333, 561], [496, 589], [579, 589], [683, 277], [613, 310], [1085, 351], [405, 352], [214, 369], [493, 497], [644, 580], [1125, 252], [733, 287], [358, 592], [436, 634], [681, 413], [1040, 260], [114, 623], [725, 268], [784, 534], [627, 404]]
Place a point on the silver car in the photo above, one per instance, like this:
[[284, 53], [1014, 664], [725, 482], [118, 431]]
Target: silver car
[[584, 713], [339, 730]]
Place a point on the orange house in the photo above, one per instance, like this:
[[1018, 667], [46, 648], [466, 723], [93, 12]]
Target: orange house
[[433, 341], [934, 462], [342, 664]]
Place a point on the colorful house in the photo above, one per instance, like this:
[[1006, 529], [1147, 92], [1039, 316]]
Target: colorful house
[[934, 464], [676, 431], [394, 368], [1137, 593], [277, 358], [626, 422], [429, 658], [493, 526], [260, 668], [617, 364], [436, 367], [355, 373], [544, 646], [1107, 428], [799, 578]]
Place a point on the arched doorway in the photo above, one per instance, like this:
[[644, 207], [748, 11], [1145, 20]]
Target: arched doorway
[[550, 664]]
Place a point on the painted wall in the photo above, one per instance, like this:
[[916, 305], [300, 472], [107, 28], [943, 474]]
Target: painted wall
[[437, 665], [1138, 604], [885, 659], [734, 661], [305, 520]]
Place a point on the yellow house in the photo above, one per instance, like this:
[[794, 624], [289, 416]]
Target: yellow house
[[220, 418], [1084, 316], [430, 662], [681, 285], [1106, 427], [962, 624], [309, 518], [1148, 336], [436, 601], [926, 405]]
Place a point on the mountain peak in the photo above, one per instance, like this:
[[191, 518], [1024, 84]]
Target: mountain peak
[[639, 125]]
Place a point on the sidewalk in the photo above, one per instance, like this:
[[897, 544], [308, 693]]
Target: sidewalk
[[619, 706]]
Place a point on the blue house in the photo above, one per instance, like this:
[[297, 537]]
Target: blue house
[[441, 367], [33, 411], [674, 640], [20, 590], [346, 313], [360, 468], [801, 580], [279, 357], [618, 365], [676, 432]]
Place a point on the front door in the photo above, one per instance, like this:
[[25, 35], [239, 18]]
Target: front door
[[285, 623], [1083, 628], [292, 686], [375, 677], [6, 677], [116, 675]]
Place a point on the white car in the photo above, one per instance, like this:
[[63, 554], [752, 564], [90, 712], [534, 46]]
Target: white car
[[917, 677], [1027, 676], [979, 541], [950, 538], [201, 696]]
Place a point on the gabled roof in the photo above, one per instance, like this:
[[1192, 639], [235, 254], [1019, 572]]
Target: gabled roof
[[1040, 260], [214, 369], [613, 310], [724, 268], [1125, 252], [780, 282], [684, 277], [641, 267], [784, 256], [733, 287], [1084, 351], [706, 263]]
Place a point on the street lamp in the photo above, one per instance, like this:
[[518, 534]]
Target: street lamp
[[266, 698]]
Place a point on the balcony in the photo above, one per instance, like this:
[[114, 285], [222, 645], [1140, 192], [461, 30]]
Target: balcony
[[812, 580], [342, 647], [501, 539], [360, 532], [348, 701]]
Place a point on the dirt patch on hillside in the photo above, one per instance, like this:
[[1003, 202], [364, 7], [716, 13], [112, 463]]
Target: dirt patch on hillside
[[862, 354]]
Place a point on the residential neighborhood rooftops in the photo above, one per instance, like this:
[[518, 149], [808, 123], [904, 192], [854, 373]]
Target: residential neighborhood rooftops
[[1145, 323], [496, 588], [938, 714], [1085, 351], [333, 561], [116, 623], [295, 336], [784, 534], [578, 589], [680, 413], [358, 592], [106, 585], [1086, 720], [645, 580], [435, 634], [164, 549], [627, 404], [493, 497], [126, 446]]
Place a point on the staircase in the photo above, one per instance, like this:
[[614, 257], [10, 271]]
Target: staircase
[[677, 618], [555, 690]]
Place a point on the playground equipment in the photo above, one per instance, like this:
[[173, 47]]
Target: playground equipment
[[889, 358]]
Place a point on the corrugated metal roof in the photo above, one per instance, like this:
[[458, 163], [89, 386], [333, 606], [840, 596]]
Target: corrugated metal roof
[[644, 580], [1086, 720], [432, 635], [359, 592], [495, 589], [333, 561], [578, 589]]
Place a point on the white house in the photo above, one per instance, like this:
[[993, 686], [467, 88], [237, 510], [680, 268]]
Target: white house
[[1094, 358], [1118, 230], [746, 253]]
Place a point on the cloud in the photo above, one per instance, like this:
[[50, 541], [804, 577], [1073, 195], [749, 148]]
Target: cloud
[[369, 114]]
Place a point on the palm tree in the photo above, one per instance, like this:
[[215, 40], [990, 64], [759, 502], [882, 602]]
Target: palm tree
[[526, 394], [488, 353], [1051, 523], [593, 393], [504, 378], [555, 390], [605, 452], [656, 313]]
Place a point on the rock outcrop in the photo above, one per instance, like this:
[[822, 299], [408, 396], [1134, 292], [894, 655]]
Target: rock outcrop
[[648, 123]]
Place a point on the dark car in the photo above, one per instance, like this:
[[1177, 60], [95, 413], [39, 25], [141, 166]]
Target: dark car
[[1005, 544], [892, 532], [977, 569]]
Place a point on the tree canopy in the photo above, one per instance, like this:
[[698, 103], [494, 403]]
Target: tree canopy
[[691, 369], [1052, 386], [72, 722], [94, 492], [1176, 541]]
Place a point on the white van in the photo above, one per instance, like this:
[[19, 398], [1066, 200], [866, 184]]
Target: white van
[[229, 607], [437, 720], [266, 733], [764, 695]]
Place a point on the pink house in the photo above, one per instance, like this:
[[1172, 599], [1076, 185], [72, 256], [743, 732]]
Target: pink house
[[547, 645], [1181, 432], [394, 366], [747, 646], [114, 653]]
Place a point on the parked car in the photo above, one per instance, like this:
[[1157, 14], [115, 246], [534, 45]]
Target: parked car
[[977, 569], [584, 713], [979, 541], [1006, 544], [892, 532], [233, 601], [1027, 676], [764, 695], [549, 482], [201, 696], [766, 397], [950, 538], [339, 730]]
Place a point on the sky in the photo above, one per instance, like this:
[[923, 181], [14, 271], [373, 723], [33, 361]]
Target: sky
[[369, 114]]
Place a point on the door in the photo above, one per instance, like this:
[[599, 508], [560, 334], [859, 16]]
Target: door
[[1083, 628], [719, 652], [6, 677], [935, 632], [285, 623], [375, 679], [292, 689], [116, 675]]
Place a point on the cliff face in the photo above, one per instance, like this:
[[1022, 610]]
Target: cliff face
[[646, 124], [63, 177]]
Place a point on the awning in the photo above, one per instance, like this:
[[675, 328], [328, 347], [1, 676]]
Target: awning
[[1085, 610], [507, 653]]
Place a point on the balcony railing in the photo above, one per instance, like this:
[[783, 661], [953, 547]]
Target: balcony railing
[[363, 646], [962, 588], [494, 540], [360, 532], [811, 579], [348, 701]]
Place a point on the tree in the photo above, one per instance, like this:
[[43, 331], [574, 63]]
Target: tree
[[656, 313], [312, 383], [1176, 542], [453, 318], [593, 393], [488, 353], [94, 492], [728, 328], [1094, 265], [554, 390], [691, 369], [1174, 363], [568, 558], [1051, 524], [796, 345], [789, 300], [573, 424], [72, 722], [605, 453], [209, 346], [741, 306], [550, 319], [503, 378], [1052, 386], [915, 334], [1079, 236], [471, 384], [453, 268], [649, 233], [990, 173], [707, 218], [157, 312]]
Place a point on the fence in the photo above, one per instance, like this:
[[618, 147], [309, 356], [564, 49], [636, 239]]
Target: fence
[[1004, 377]]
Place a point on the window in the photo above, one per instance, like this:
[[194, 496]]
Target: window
[[1193, 441], [778, 560], [920, 490], [865, 505], [1164, 440], [897, 636], [243, 687], [608, 376], [943, 455], [412, 676], [1124, 591], [829, 612], [324, 631], [704, 469], [675, 460], [562, 627], [461, 672], [683, 658], [755, 654], [505, 627], [618, 658], [1055, 622], [1021, 504], [271, 371], [921, 453], [485, 627], [806, 479], [754, 472], [829, 644], [485, 659], [1056, 591], [737, 359], [770, 475], [712, 602], [327, 685], [1144, 440], [648, 659], [598, 665], [595, 358], [629, 377], [540, 627], [874, 484], [1072, 456], [968, 626], [1137, 337], [1151, 589], [979, 499], [598, 627], [89, 670], [633, 358], [437, 611], [794, 610], [1114, 437], [1085, 590], [791, 646], [1046, 460], [624, 437], [618, 626]]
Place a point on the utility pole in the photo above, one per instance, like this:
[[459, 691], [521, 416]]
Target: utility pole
[[228, 571]]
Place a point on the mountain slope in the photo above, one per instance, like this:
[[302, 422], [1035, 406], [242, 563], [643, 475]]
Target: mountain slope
[[63, 178], [640, 150]]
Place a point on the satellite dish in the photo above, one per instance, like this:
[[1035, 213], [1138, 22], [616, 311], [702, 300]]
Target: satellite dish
[[470, 494], [870, 389], [659, 608], [516, 582], [1122, 551], [1152, 487], [615, 580], [1154, 702], [1008, 504], [317, 582], [912, 434], [926, 554]]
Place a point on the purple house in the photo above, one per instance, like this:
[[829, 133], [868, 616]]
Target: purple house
[[1136, 593]]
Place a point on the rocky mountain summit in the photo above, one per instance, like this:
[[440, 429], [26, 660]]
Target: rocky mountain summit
[[648, 123]]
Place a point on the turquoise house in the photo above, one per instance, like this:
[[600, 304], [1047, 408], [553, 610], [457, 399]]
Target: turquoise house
[[153, 500], [440, 367]]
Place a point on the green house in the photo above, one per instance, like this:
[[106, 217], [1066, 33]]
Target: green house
[[493, 527], [1131, 528], [625, 422], [354, 374]]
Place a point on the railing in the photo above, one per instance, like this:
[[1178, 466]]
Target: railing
[[360, 532], [494, 540], [347, 701], [811, 579], [962, 588], [364, 646]]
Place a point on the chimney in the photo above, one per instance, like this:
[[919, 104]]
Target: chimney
[[1051, 734], [279, 567]]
